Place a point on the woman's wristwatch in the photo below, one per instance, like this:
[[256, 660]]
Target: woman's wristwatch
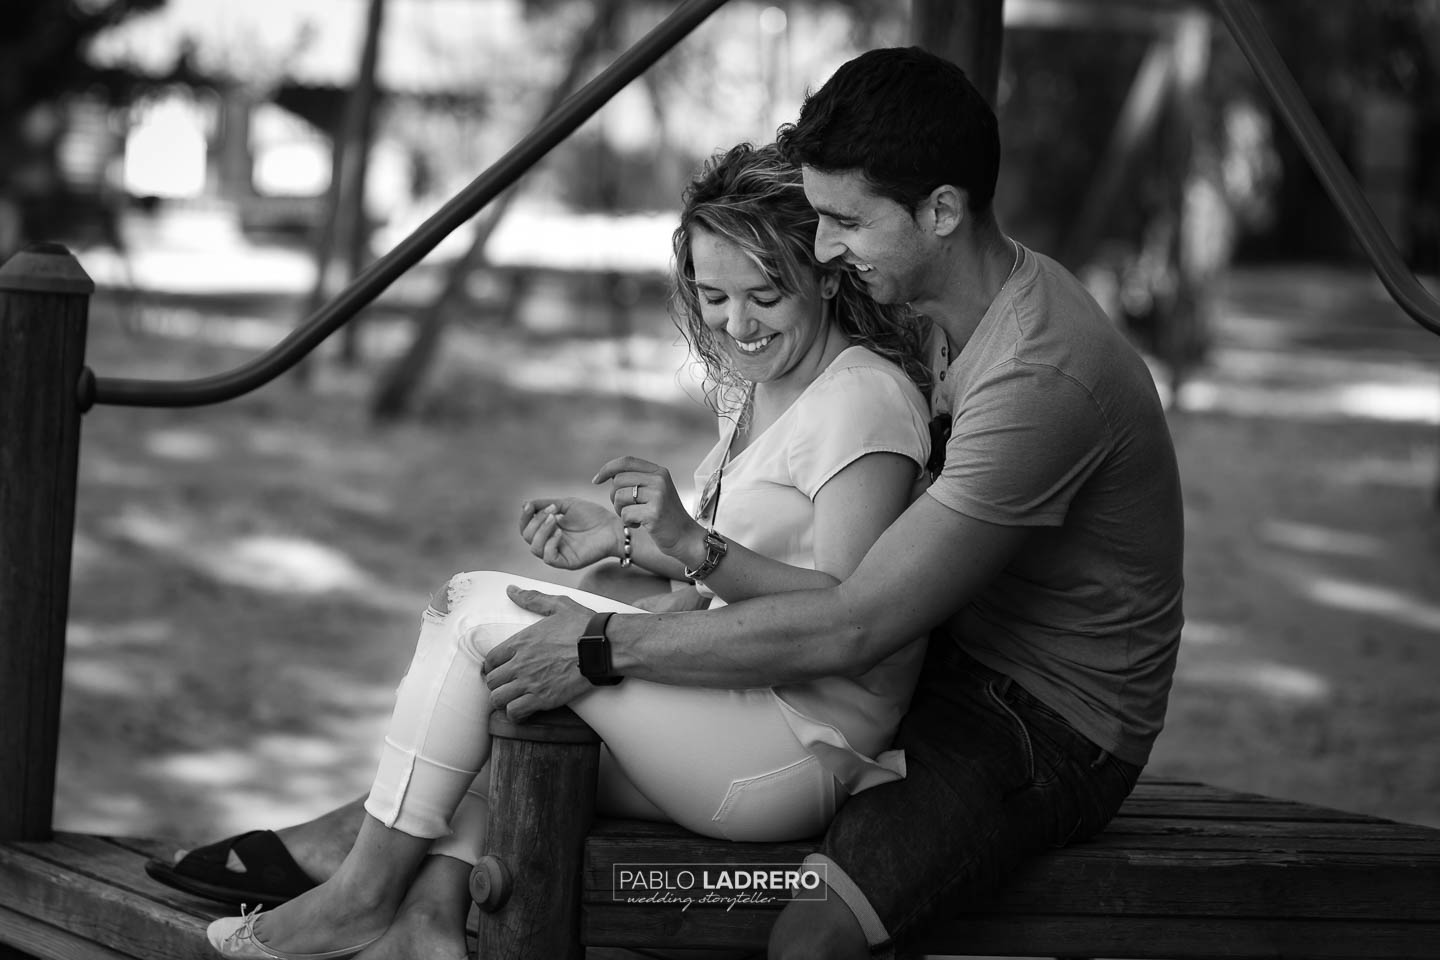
[[715, 547]]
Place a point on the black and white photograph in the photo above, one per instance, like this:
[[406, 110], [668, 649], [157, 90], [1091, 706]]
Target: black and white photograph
[[719, 479]]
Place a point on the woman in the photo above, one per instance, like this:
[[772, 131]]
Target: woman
[[822, 444]]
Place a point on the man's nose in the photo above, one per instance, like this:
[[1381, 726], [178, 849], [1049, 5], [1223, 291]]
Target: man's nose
[[827, 245]]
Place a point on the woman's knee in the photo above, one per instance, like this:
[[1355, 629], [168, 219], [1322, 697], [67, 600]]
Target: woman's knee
[[460, 587]]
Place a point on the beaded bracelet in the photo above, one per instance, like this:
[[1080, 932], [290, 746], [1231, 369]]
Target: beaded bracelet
[[625, 559]]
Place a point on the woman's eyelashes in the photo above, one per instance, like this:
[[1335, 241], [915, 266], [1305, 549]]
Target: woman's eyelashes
[[766, 302]]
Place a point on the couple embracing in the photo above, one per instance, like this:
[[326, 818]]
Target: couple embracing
[[936, 651]]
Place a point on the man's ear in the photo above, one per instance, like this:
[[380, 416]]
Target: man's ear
[[945, 209], [829, 285]]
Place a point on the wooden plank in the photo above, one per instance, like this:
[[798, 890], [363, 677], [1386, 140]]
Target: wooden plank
[[41, 940], [122, 866], [1299, 829], [95, 910], [1185, 939], [1092, 878], [1264, 809], [609, 844], [1380, 853], [1177, 938]]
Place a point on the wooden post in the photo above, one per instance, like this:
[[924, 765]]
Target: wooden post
[[44, 301], [969, 33], [542, 801]]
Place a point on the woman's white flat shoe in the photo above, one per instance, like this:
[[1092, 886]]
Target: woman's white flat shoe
[[235, 937]]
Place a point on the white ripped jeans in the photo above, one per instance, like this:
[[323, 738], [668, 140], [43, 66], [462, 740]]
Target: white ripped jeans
[[723, 763]]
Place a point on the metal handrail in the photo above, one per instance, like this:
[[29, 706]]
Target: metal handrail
[[1407, 291], [386, 270]]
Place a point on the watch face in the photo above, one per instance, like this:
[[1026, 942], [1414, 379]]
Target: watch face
[[594, 653]]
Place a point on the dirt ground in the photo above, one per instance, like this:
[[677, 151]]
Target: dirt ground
[[247, 576]]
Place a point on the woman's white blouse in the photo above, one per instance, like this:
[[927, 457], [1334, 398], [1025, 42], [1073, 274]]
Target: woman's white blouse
[[860, 404]]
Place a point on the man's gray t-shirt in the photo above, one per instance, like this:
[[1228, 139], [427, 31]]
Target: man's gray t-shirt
[[1057, 426]]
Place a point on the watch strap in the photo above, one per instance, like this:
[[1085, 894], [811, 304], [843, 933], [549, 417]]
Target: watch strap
[[715, 548], [593, 651]]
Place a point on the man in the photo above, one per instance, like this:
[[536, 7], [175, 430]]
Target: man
[[1045, 558]]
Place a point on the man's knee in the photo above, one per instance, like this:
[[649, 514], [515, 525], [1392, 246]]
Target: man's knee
[[817, 930]]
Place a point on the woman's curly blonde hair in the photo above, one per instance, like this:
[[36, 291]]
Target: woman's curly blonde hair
[[751, 197]]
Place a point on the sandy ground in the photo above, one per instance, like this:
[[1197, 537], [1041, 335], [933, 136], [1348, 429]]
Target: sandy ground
[[247, 575]]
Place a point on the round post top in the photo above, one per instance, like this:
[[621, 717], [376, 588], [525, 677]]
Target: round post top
[[45, 268], [550, 726]]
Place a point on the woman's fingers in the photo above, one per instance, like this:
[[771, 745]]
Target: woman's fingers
[[532, 514], [624, 465], [544, 540]]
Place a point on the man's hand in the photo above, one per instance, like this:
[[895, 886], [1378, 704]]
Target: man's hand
[[536, 669]]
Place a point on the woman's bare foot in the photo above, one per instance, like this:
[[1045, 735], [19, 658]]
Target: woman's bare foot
[[430, 924], [319, 846]]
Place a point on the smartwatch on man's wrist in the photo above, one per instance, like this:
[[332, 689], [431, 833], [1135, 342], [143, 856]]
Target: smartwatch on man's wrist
[[593, 650]]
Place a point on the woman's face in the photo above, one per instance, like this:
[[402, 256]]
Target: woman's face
[[766, 336]]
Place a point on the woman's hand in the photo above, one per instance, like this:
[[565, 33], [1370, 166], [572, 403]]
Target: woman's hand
[[645, 496], [569, 533]]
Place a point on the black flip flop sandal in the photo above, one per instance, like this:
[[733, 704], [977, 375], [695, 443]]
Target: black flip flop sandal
[[271, 875]]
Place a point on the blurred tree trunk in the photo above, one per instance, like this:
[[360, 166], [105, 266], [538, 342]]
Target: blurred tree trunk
[[345, 223], [970, 33], [1136, 125], [399, 384], [1201, 238]]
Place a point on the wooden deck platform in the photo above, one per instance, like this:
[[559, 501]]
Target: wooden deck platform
[[1186, 870], [79, 897]]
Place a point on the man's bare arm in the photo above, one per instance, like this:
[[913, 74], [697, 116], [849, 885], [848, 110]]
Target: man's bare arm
[[926, 566], [922, 569]]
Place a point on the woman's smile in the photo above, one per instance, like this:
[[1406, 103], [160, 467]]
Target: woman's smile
[[753, 347]]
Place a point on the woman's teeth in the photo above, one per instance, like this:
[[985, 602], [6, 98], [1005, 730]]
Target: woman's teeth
[[754, 346]]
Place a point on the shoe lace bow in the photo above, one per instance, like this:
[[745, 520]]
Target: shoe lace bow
[[246, 930]]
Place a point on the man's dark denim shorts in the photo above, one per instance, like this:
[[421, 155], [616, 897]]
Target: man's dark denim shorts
[[993, 775]]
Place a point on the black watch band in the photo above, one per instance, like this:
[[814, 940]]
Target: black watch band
[[593, 651]]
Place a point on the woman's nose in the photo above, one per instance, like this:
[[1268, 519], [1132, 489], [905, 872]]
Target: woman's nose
[[737, 318]]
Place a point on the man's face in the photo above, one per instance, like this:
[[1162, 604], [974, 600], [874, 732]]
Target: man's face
[[874, 236]]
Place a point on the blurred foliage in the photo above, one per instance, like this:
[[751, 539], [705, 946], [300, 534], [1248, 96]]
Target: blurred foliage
[[42, 61], [1061, 91], [42, 44], [1342, 54]]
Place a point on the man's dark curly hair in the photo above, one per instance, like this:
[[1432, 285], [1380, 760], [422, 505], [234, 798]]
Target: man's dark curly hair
[[908, 120]]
